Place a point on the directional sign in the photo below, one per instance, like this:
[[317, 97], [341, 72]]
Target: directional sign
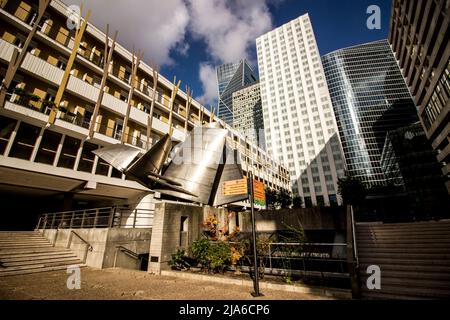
[[259, 195], [235, 187]]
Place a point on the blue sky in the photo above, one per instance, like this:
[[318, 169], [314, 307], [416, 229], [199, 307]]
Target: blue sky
[[188, 38]]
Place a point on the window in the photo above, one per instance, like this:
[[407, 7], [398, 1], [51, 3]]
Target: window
[[69, 152], [87, 157], [7, 126], [48, 147], [24, 141]]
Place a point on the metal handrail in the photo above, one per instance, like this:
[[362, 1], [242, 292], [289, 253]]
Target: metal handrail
[[129, 253], [83, 240], [89, 247], [355, 251]]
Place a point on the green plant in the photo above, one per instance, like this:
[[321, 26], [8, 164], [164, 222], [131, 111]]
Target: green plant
[[178, 260], [219, 256], [213, 256], [20, 92], [34, 97], [200, 251], [48, 103]]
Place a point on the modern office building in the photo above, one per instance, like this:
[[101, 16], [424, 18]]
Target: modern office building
[[300, 127], [420, 38], [409, 163], [48, 165], [369, 99], [230, 78], [247, 114]]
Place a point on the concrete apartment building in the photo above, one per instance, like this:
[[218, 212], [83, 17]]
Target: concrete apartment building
[[420, 38], [299, 122], [48, 165], [247, 114]]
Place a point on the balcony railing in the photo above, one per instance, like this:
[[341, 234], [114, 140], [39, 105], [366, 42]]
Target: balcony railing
[[106, 217]]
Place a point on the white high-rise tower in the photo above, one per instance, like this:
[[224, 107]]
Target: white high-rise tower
[[299, 123]]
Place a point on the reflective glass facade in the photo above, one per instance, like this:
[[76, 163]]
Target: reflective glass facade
[[230, 78], [369, 98]]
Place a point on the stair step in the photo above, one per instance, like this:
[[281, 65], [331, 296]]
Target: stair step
[[412, 284], [367, 250], [40, 265], [395, 245], [5, 253], [69, 260], [422, 224], [38, 258], [37, 270], [403, 242], [399, 290], [404, 255], [28, 245], [423, 269], [21, 247], [400, 238], [396, 261], [412, 275]]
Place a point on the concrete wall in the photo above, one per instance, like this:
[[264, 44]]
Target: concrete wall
[[167, 234], [326, 218], [136, 240], [104, 242]]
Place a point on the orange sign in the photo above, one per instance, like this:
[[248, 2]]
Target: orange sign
[[235, 187], [259, 195]]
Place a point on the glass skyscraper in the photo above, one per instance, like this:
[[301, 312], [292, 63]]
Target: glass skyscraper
[[230, 78], [369, 98]]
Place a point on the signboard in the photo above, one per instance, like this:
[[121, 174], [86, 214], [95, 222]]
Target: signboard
[[259, 195], [235, 187], [239, 186]]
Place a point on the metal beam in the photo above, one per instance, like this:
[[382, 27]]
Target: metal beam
[[152, 106], [62, 87], [107, 62], [175, 88], [136, 60]]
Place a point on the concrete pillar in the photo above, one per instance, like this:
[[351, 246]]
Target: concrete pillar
[[167, 234]]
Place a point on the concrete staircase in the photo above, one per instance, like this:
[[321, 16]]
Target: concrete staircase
[[23, 252], [414, 259]]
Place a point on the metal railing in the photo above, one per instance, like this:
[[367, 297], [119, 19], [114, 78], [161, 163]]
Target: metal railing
[[324, 258], [107, 217], [129, 253], [88, 247]]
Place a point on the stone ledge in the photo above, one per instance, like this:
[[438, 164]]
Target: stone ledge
[[319, 291]]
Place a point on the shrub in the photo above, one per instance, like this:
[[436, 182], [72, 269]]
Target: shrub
[[178, 260], [213, 256]]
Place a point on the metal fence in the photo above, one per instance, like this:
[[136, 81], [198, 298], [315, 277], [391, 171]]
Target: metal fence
[[323, 258], [107, 217]]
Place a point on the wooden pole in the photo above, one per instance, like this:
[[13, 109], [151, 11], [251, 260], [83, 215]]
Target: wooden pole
[[62, 87], [211, 118], [175, 88], [17, 59], [108, 55], [189, 94], [152, 106], [136, 60]]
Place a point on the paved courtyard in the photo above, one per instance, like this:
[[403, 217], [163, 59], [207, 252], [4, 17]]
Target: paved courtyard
[[120, 284]]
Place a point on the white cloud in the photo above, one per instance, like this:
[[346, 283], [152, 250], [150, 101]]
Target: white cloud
[[155, 26], [229, 29], [208, 78]]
